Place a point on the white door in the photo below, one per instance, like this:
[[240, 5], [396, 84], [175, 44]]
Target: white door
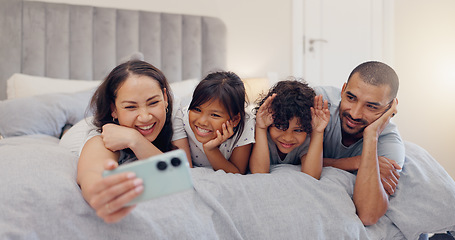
[[338, 36]]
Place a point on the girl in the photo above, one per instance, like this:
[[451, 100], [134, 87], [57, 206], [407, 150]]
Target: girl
[[287, 114], [132, 111], [219, 132]]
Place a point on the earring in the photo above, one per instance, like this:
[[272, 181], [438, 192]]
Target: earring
[[167, 109], [114, 120]]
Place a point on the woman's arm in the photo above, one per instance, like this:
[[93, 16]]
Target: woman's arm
[[116, 137], [107, 196]]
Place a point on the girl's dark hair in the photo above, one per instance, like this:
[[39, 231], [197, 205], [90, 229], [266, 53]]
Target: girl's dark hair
[[294, 98], [104, 97], [226, 87]]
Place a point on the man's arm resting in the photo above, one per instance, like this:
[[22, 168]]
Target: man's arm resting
[[347, 164], [389, 169]]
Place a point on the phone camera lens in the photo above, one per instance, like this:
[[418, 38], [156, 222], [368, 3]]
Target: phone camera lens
[[161, 165], [176, 162]]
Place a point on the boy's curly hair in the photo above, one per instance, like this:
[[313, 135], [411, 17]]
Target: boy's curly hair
[[294, 98]]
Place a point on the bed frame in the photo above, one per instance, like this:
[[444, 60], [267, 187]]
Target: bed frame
[[85, 42]]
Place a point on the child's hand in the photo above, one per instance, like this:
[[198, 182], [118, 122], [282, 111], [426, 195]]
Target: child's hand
[[320, 114], [264, 115], [228, 131], [116, 137]]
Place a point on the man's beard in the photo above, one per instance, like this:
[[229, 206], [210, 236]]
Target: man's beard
[[347, 131]]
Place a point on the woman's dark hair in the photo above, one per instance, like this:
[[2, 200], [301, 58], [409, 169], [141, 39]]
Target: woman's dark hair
[[226, 87], [104, 97], [294, 98]]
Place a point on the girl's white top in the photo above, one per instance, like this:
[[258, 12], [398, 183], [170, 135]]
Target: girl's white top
[[182, 129]]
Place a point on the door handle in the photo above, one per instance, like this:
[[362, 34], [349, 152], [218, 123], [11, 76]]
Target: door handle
[[313, 40]]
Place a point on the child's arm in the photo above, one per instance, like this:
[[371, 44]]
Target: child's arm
[[240, 157], [107, 196], [216, 158], [320, 116], [260, 156], [116, 137]]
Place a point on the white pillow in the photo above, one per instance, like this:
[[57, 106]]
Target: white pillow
[[22, 85], [183, 91]]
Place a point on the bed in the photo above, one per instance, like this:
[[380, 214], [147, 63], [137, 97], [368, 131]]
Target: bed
[[53, 55]]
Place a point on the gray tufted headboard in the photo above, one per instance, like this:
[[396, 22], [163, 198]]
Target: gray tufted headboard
[[85, 42]]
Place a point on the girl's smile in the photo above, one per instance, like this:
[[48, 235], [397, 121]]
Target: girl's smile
[[203, 131], [207, 118]]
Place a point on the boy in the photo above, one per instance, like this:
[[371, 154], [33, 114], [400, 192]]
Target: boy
[[286, 116]]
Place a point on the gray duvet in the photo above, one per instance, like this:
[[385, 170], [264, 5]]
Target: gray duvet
[[40, 199]]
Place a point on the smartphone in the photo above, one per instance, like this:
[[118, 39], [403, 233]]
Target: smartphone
[[162, 174]]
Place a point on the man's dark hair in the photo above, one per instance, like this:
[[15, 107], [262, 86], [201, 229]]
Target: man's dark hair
[[378, 73]]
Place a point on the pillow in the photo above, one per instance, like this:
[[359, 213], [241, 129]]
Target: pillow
[[42, 114], [183, 91], [21, 85], [425, 198]]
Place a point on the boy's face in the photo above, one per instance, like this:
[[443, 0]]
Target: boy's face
[[288, 139]]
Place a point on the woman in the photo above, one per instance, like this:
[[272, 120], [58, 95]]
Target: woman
[[132, 111]]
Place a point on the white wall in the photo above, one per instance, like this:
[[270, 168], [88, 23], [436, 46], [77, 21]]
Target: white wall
[[425, 63], [259, 42]]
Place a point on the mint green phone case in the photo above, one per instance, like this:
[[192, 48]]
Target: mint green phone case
[[162, 174]]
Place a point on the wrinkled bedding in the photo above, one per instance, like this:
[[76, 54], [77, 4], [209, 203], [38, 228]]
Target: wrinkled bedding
[[40, 199]]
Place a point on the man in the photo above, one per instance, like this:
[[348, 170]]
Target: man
[[360, 137]]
